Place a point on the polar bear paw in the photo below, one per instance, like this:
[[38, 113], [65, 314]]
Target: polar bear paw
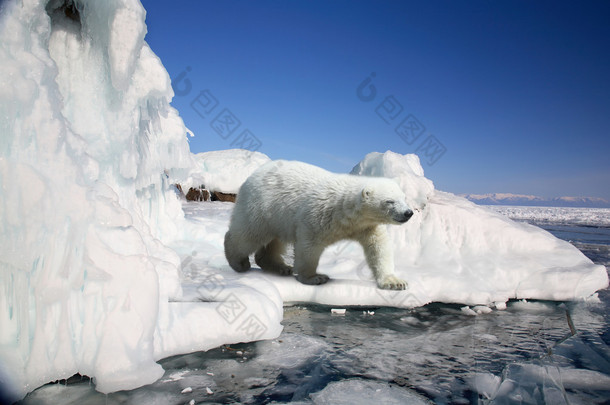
[[316, 279], [241, 265], [391, 282], [283, 270]]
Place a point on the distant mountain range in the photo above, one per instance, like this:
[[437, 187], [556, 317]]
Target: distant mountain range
[[532, 200]]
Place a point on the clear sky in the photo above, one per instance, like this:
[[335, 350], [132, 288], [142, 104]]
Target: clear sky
[[495, 96]]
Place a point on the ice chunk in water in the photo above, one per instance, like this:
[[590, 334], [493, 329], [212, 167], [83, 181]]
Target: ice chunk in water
[[357, 391]]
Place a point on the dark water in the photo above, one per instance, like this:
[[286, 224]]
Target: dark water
[[532, 352], [580, 235]]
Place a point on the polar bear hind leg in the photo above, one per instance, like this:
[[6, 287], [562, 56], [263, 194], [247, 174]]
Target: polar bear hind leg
[[269, 258]]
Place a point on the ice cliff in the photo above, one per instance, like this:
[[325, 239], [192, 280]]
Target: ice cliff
[[88, 148]]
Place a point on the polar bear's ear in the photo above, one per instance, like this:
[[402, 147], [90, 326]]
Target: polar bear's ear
[[366, 193]]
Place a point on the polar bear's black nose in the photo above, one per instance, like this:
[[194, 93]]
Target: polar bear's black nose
[[405, 216]]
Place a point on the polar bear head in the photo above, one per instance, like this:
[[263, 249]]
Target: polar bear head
[[384, 202]]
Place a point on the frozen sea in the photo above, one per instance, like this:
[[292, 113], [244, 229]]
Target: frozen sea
[[531, 352]]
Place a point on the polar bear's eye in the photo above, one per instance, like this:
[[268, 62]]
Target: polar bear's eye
[[389, 202]]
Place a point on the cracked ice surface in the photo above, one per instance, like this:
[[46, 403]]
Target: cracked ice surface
[[434, 353]]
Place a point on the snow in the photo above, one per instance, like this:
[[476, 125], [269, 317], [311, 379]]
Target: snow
[[406, 170], [226, 170], [103, 271]]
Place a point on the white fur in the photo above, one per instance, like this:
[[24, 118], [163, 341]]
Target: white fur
[[293, 202]]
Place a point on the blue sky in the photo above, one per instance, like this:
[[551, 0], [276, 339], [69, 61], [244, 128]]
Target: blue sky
[[494, 96]]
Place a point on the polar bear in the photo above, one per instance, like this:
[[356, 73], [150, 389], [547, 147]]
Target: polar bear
[[292, 202]]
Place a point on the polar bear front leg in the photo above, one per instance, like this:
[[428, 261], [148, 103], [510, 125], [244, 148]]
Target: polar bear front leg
[[306, 258], [380, 258], [237, 251]]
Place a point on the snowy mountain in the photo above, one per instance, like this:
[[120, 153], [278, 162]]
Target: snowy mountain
[[532, 200]]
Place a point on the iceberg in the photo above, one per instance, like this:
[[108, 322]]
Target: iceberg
[[225, 170], [104, 270], [89, 150]]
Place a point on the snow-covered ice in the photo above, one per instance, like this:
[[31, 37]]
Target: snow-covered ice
[[103, 274], [225, 170], [451, 251]]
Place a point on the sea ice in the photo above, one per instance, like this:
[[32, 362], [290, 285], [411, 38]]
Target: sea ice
[[541, 382], [565, 215], [361, 391], [290, 351]]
